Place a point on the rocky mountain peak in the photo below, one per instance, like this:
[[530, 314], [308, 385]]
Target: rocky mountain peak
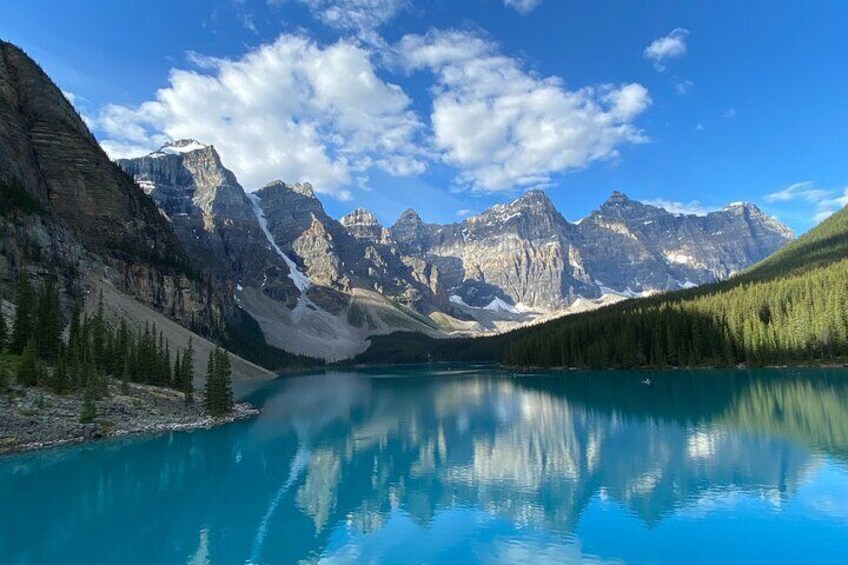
[[752, 214], [409, 216], [302, 188], [362, 224], [180, 147], [617, 198]]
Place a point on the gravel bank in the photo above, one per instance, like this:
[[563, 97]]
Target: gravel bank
[[34, 419]]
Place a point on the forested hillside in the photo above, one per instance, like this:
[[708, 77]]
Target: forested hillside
[[789, 308]]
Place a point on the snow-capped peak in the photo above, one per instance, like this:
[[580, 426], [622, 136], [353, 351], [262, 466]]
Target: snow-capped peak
[[179, 147]]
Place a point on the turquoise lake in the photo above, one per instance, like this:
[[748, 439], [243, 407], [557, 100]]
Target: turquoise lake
[[468, 465]]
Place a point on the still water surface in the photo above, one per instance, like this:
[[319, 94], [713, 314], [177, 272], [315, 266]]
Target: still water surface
[[462, 466]]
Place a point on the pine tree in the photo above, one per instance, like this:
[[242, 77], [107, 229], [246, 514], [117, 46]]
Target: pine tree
[[58, 378], [28, 368], [210, 388], [186, 374], [4, 332], [5, 382], [219, 394], [226, 382], [24, 314], [89, 408], [48, 326]]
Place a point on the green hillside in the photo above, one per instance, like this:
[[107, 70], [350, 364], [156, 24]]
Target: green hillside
[[790, 308]]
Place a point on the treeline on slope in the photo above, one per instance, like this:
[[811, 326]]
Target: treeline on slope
[[95, 352], [244, 337], [790, 308]]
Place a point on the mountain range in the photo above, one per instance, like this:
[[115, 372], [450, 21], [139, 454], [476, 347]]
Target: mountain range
[[321, 287], [175, 231]]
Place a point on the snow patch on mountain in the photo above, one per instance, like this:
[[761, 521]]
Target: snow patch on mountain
[[498, 305], [300, 280]]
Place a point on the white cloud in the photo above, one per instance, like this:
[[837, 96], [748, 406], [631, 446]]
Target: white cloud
[[699, 127], [693, 207], [354, 15], [683, 87], [823, 201], [523, 6], [463, 213], [291, 109], [668, 47], [503, 127], [729, 114]]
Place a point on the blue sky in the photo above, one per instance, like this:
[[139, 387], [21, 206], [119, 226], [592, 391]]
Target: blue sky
[[452, 106]]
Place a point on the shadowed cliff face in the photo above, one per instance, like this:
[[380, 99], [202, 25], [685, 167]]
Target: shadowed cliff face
[[212, 215], [88, 204]]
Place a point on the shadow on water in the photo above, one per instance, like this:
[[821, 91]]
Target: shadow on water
[[341, 455]]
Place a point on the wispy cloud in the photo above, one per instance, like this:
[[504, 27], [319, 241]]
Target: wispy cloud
[[354, 15], [824, 202], [523, 6], [463, 213], [729, 114], [691, 208], [683, 87], [667, 47]]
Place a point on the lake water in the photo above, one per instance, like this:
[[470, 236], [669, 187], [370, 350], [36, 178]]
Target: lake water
[[462, 466]]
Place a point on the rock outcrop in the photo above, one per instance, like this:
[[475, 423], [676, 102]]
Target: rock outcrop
[[87, 206]]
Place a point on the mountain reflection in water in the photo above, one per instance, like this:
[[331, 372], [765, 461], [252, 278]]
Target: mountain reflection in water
[[474, 465]]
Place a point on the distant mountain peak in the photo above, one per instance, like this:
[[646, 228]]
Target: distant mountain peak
[[302, 188], [362, 224], [409, 216], [534, 195], [179, 147], [617, 197]]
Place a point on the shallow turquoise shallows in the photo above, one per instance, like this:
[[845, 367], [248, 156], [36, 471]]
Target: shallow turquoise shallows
[[462, 466]]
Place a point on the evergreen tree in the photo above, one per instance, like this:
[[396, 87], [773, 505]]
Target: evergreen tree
[[48, 326], [225, 381], [89, 407], [4, 332], [28, 366], [210, 387], [5, 382], [219, 394], [24, 314], [58, 377], [186, 374]]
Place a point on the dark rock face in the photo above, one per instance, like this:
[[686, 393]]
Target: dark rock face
[[211, 214], [89, 204], [334, 257], [48, 148]]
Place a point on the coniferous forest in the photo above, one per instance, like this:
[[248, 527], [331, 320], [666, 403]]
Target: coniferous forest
[[38, 352], [791, 308]]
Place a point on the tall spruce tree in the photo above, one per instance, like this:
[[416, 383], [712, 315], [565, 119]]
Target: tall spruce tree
[[24, 314], [219, 394], [89, 408], [210, 387], [186, 374], [4, 332], [48, 325], [225, 381], [28, 369]]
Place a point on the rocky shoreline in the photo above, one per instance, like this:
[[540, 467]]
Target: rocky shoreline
[[32, 419]]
